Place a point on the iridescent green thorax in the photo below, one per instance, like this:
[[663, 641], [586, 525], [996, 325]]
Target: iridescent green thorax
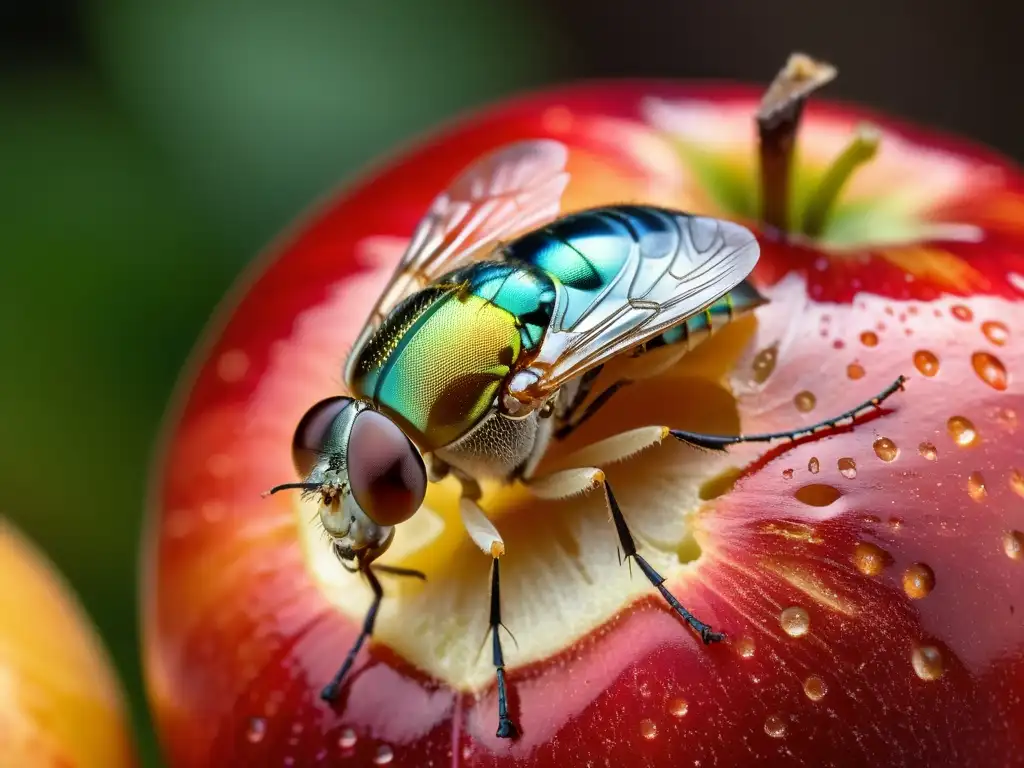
[[436, 363]]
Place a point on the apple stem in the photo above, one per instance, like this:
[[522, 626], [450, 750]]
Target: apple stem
[[862, 147], [778, 120]]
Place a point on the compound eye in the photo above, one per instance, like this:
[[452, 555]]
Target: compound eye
[[385, 470], [314, 431]]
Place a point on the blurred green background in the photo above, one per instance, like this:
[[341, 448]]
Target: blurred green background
[[149, 150]]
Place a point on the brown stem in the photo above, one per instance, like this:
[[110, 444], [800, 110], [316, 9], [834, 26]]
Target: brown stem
[[778, 119]]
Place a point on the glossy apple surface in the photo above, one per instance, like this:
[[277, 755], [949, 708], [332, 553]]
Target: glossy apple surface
[[868, 580], [60, 703]]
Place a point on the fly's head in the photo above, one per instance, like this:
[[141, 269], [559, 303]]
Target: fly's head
[[363, 471]]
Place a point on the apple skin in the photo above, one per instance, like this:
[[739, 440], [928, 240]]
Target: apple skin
[[62, 705], [239, 637]]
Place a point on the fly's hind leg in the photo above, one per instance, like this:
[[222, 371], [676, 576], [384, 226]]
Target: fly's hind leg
[[486, 536], [720, 442]]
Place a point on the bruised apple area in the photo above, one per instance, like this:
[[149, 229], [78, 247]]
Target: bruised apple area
[[867, 580], [60, 703]]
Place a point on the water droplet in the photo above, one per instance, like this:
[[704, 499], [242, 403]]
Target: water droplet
[[1013, 544], [990, 369], [926, 362], [847, 467], [960, 312], [918, 581], [928, 450], [678, 707], [257, 730], [817, 494], [869, 558], [775, 726], [648, 729], [815, 688], [962, 430], [795, 621], [813, 466], [869, 339], [384, 755], [745, 647], [855, 371], [976, 486], [927, 661], [805, 401], [838, 344], [1017, 482], [885, 449], [996, 332], [347, 739], [788, 474], [764, 363]]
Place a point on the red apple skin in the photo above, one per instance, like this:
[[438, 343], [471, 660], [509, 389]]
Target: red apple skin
[[239, 639]]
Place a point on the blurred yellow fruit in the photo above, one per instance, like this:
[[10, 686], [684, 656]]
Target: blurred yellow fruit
[[60, 703]]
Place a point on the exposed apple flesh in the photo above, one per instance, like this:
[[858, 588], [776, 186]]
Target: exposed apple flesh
[[867, 580]]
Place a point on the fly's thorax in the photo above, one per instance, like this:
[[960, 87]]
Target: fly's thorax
[[438, 362]]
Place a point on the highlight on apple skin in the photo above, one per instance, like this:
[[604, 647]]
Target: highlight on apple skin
[[868, 580], [61, 705]]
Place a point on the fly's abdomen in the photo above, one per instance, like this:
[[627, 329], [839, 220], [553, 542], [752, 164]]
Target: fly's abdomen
[[696, 328], [436, 364]]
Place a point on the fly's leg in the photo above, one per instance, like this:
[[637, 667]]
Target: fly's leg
[[573, 481], [486, 536], [720, 442], [569, 427], [506, 728], [330, 691]]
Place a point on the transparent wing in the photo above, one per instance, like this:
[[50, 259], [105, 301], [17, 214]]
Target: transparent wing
[[506, 192], [669, 275]]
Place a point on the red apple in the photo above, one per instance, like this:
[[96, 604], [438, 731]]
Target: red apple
[[61, 705], [866, 579]]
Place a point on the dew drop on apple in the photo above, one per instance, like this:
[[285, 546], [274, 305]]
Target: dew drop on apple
[[960, 312], [996, 332], [927, 661], [928, 450], [815, 688], [347, 739], [805, 401], [788, 474], [775, 726], [976, 486], [869, 558], [962, 430], [256, 730], [855, 371], [384, 755], [885, 449], [847, 467], [648, 729], [990, 369], [795, 621], [1017, 482], [817, 494], [1013, 544], [926, 362], [678, 707], [745, 647], [918, 581], [764, 363], [869, 339], [813, 466]]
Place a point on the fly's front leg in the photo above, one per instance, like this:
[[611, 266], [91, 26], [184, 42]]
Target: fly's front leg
[[483, 533], [570, 482], [330, 691]]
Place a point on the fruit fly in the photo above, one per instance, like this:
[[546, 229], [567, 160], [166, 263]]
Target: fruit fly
[[487, 342]]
